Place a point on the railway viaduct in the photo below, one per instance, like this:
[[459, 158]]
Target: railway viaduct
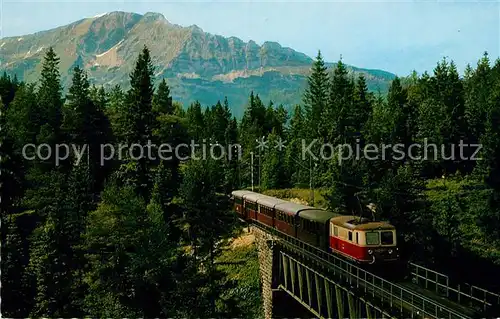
[[298, 280]]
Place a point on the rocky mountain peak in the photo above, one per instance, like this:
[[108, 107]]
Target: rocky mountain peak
[[153, 17]]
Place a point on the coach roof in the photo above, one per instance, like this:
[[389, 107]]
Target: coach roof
[[252, 196], [318, 215], [269, 201], [293, 208], [240, 193]]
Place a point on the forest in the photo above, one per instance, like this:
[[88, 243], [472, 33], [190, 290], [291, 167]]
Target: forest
[[140, 236]]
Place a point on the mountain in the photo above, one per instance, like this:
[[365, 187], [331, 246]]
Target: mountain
[[197, 65]]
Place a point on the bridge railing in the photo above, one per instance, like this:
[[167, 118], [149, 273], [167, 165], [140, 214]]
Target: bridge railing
[[371, 284], [312, 296], [462, 293]]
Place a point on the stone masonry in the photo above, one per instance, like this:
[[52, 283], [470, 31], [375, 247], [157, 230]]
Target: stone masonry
[[263, 242]]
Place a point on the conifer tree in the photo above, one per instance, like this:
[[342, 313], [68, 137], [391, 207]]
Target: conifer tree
[[340, 102], [48, 115], [201, 197], [8, 88], [115, 111], [273, 170], [50, 102], [196, 122], [17, 299], [316, 96], [296, 166], [48, 256], [162, 101], [87, 126], [489, 167], [121, 219], [17, 286], [138, 124]]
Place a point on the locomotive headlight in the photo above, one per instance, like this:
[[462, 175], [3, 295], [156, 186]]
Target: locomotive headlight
[[390, 251], [370, 251]]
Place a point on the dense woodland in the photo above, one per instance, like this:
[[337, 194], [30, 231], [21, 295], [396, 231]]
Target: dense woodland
[[139, 238]]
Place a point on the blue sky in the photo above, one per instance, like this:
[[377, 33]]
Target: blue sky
[[397, 36]]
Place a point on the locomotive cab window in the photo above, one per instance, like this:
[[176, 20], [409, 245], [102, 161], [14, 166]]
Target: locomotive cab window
[[372, 238], [350, 236], [386, 238], [335, 231], [357, 238]]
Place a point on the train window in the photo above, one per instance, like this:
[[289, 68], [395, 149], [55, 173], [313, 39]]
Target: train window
[[335, 231], [350, 236], [357, 238], [386, 238], [372, 238]]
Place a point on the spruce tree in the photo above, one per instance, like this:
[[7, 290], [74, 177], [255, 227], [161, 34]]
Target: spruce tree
[[196, 122], [296, 166], [316, 96], [201, 197], [162, 101], [138, 124], [87, 127], [50, 101], [273, 170], [121, 219]]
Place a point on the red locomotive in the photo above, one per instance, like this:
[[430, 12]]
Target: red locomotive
[[353, 237]]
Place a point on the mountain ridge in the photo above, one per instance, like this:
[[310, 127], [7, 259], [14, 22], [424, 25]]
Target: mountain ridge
[[198, 65]]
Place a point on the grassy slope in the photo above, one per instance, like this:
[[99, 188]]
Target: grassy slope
[[240, 261]]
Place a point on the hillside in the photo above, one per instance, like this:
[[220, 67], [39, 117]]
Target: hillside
[[198, 65]]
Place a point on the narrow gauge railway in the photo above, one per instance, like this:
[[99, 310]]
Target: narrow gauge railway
[[358, 239], [316, 228]]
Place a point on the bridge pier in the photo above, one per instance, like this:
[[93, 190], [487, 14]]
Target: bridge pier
[[265, 243]]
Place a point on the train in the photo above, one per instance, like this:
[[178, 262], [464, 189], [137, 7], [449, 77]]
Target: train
[[355, 238]]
